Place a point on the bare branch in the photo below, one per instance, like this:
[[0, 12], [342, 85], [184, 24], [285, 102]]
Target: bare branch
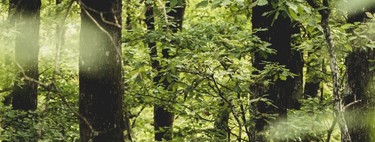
[[351, 103]]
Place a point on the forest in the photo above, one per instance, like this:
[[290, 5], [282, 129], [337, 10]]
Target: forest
[[187, 70]]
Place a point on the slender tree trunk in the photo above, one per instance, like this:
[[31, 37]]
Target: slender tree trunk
[[338, 108], [295, 65], [313, 80], [100, 76], [163, 119], [280, 93], [27, 16], [221, 123], [360, 87]]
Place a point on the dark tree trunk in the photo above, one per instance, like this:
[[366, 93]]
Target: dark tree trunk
[[221, 123], [360, 87], [150, 23], [283, 92], [261, 22], [312, 84], [100, 76], [295, 65], [163, 119], [26, 16]]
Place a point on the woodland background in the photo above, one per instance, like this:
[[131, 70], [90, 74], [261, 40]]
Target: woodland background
[[194, 70]]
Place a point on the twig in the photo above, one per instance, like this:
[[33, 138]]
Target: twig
[[136, 116], [351, 103], [230, 106]]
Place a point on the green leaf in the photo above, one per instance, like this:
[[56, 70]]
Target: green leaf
[[292, 14], [173, 3], [201, 4], [216, 3], [292, 6], [282, 77], [225, 3], [262, 2]]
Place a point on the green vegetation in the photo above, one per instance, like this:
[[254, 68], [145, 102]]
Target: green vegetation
[[208, 70]]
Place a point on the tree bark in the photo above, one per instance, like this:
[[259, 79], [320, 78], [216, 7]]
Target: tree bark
[[282, 92], [313, 80], [27, 17], [100, 76], [221, 123], [163, 119], [361, 88], [338, 108]]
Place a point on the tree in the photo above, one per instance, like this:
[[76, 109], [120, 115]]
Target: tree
[[360, 84], [283, 92], [100, 76], [338, 108], [163, 118], [313, 79], [26, 16], [221, 123]]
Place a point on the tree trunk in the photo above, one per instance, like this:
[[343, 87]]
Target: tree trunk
[[221, 123], [163, 119], [295, 65], [282, 92], [338, 108], [100, 76], [360, 87], [261, 22], [313, 80], [27, 16]]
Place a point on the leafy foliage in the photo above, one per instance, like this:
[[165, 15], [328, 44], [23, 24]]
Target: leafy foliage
[[211, 71]]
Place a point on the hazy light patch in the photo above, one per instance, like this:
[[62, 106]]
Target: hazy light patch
[[71, 28], [300, 125], [46, 51], [353, 6]]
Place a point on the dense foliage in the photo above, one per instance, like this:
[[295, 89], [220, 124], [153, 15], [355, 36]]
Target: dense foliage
[[211, 73]]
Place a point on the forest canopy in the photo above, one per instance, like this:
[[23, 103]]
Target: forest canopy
[[187, 70]]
